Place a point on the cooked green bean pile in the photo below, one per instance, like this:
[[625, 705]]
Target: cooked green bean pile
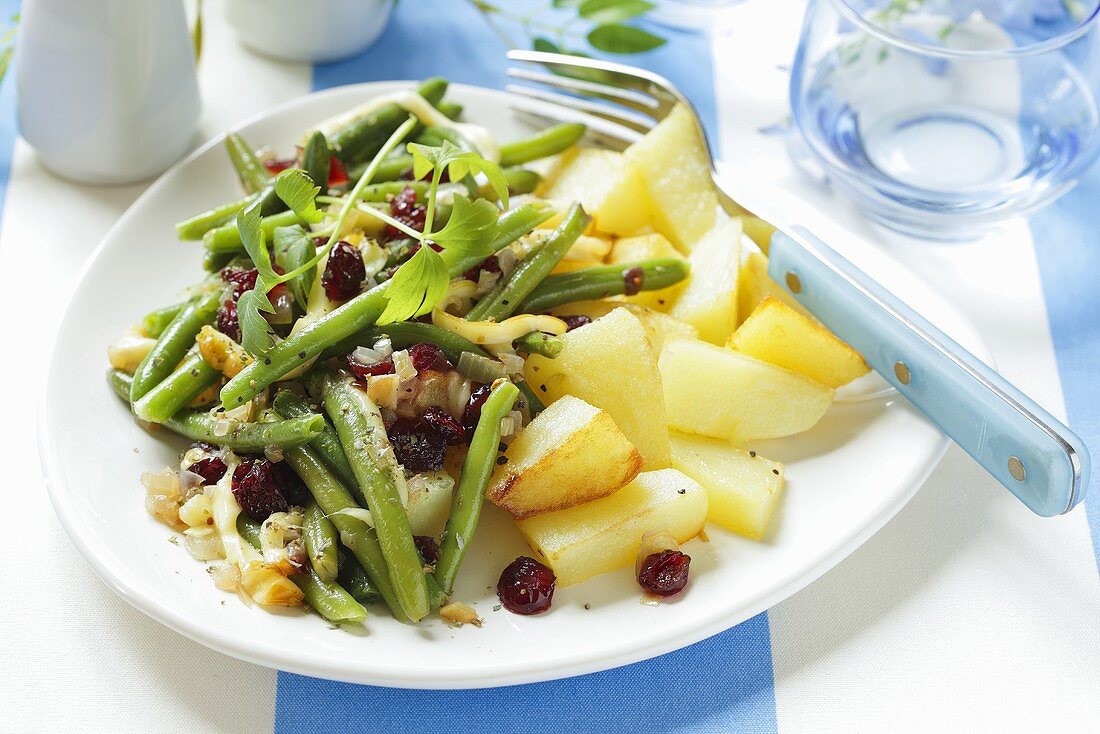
[[353, 359]]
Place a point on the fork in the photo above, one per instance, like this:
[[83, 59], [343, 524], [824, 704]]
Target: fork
[[1029, 451]]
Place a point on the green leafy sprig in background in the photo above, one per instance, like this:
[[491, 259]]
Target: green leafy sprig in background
[[574, 26]]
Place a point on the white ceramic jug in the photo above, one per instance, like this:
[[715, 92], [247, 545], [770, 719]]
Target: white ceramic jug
[[107, 91]]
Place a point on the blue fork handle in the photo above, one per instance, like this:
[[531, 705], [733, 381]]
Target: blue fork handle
[[1024, 447]]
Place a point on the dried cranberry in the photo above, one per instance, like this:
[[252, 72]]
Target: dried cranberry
[[257, 490], [491, 265], [633, 279], [429, 357], [472, 414], [241, 279], [664, 573], [445, 425], [278, 165], [337, 174], [211, 469], [404, 209], [429, 549], [227, 322], [417, 446], [362, 371], [344, 273], [575, 322], [290, 485], [526, 586]]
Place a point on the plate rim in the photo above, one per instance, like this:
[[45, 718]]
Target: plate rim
[[118, 579]]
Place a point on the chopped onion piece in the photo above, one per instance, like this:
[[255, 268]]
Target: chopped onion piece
[[485, 282], [480, 369], [284, 308], [403, 366], [358, 513]]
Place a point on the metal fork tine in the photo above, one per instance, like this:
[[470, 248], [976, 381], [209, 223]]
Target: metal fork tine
[[607, 134], [629, 119], [633, 99], [621, 75]]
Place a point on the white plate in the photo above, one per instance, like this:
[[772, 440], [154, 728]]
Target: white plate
[[846, 478]]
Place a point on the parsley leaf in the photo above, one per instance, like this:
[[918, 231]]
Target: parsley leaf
[[250, 225], [256, 334], [294, 249], [458, 163], [296, 189], [416, 287], [470, 227]]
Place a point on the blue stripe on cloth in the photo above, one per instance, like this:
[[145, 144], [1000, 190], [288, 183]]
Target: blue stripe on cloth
[[722, 684], [451, 39], [1067, 246]]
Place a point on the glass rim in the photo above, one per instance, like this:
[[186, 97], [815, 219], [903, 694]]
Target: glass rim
[[1031, 49]]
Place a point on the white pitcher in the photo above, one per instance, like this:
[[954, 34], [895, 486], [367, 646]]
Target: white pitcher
[[107, 91]]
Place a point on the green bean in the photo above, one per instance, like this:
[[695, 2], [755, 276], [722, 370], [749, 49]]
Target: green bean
[[155, 322], [212, 262], [521, 181], [392, 168], [327, 444], [356, 536], [198, 225], [549, 142], [360, 312], [317, 159], [227, 238], [361, 138], [175, 392], [249, 529], [536, 342], [321, 542], [534, 403], [173, 343], [353, 578], [328, 599], [355, 428], [379, 192], [254, 176], [200, 425], [450, 110], [435, 136], [603, 281], [405, 334], [506, 296], [470, 494]]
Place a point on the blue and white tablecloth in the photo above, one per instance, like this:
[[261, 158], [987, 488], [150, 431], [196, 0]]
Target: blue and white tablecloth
[[965, 613]]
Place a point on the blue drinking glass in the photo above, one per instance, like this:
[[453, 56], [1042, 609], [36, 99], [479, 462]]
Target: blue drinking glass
[[943, 118]]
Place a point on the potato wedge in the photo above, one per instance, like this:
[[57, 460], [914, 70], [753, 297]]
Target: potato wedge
[[570, 454], [659, 327], [754, 285], [676, 175], [611, 364], [715, 391], [648, 247], [600, 536], [743, 488], [709, 301], [778, 334], [605, 185]]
